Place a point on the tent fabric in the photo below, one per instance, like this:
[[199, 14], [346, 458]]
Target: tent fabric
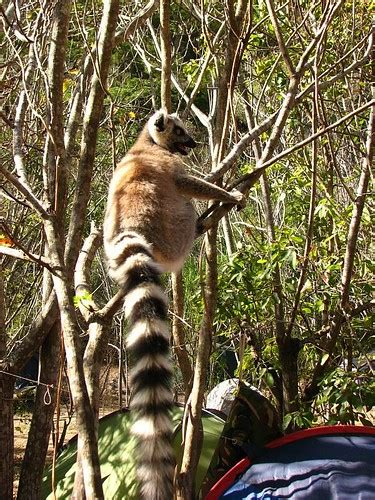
[[322, 463], [116, 454]]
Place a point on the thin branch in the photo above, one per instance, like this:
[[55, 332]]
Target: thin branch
[[83, 270], [312, 205], [348, 69], [197, 85], [202, 117], [19, 120], [240, 148], [89, 308], [242, 35], [367, 165], [279, 302], [97, 328], [112, 306], [332, 154], [299, 145], [6, 120], [17, 253], [192, 436], [11, 197], [280, 38], [289, 100], [26, 191], [165, 54], [137, 22]]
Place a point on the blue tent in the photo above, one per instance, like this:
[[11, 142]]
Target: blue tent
[[336, 462]]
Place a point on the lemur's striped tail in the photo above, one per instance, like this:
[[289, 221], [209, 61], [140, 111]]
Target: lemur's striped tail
[[132, 266]]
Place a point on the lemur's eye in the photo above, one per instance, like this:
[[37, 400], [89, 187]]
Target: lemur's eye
[[178, 131]]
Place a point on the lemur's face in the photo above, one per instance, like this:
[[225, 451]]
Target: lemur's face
[[169, 132]]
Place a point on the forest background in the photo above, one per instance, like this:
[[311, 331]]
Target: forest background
[[279, 96]]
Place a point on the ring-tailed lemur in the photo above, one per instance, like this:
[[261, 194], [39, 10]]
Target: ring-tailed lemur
[[149, 228]]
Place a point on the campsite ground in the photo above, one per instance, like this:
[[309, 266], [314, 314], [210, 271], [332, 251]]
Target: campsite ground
[[22, 420], [21, 429]]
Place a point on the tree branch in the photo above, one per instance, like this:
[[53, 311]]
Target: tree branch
[[165, 54], [137, 22], [91, 122], [280, 38], [25, 255], [26, 191]]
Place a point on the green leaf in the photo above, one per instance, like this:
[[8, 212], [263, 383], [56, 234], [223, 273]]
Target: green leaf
[[324, 358], [269, 379], [287, 420], [306, 287], [77, 299]]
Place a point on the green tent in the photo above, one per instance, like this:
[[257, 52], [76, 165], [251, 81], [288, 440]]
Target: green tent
[[116, 451]]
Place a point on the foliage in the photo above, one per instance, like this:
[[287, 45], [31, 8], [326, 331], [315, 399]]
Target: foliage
[[347, 395]]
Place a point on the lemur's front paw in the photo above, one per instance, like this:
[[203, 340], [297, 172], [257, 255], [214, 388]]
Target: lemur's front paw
[[239, 197]]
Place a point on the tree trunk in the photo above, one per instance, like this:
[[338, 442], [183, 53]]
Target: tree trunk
[[6, 436], [6, 411], [91, 121], [178, 333], [87, 441], [192, 436], [41, 425], [288, 356]]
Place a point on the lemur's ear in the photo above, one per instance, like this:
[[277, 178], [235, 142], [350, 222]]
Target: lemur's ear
[[161, 120]]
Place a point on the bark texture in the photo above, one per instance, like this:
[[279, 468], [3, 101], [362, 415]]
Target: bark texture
[[192, 425], [32, 470], [6, 410]]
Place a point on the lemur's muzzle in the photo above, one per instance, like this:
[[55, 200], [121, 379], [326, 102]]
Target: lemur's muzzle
[[190, 143], [187, 144]]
